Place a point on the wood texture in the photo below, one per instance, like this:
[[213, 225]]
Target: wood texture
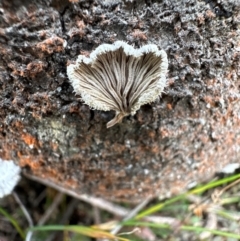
[[187, 136]]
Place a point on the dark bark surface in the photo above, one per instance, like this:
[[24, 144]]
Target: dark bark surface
[[186, 136]]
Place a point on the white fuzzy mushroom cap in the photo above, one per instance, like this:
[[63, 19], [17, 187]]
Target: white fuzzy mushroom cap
[[120, 78], [9, 177]]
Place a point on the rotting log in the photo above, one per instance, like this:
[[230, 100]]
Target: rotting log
[[185, 137]]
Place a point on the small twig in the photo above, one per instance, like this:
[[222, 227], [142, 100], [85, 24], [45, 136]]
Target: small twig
[[57, 200], [211, 224], [101, 203], [27, 215], [97, 218], [29, 236], [96, 215], [98, 202], [24, 210], [163, 220], [69, 211], [216, 195], [40, 197], [65, 217], [132, 214]]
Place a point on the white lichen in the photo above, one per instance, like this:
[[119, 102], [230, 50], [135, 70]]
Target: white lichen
[[120, 78], [9, 177]]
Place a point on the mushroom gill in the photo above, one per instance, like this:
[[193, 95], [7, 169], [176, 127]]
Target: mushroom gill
[[120, 78]]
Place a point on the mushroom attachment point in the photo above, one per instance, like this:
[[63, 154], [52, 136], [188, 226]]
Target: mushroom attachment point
[[120, 78]]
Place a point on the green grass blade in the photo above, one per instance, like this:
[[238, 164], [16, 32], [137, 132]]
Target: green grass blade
[[13, 222], [214, 184], [183, 227], [159, 206], [88, 231], [197, 190]]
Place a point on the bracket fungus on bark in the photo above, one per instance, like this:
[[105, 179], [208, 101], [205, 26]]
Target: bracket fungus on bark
[[120, 78]]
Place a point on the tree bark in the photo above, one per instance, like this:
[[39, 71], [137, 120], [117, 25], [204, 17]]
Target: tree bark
[[185, 137]]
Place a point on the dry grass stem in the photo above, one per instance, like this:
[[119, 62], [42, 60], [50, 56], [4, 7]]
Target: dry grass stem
[[101, 203]]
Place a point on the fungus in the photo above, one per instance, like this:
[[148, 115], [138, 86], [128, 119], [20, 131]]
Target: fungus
[[9, 177], [120, 78]]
